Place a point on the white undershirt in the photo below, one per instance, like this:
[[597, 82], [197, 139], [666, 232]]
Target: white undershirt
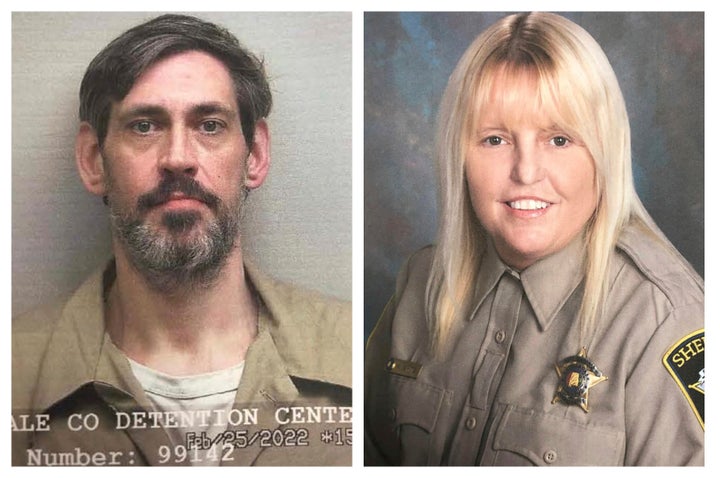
[[205, 392]]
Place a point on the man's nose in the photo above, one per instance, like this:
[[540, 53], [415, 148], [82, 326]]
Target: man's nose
[[178, 155]]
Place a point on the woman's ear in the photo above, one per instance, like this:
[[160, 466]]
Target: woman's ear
[[89, 160], [258, 161]]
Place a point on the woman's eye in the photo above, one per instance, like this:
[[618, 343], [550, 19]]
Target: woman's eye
[[494, 140], [559, 141]]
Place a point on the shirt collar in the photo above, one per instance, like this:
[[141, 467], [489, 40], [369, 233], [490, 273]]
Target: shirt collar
[[301, 323], [74, 347], [296, 326], [491, 270], [548, 283]]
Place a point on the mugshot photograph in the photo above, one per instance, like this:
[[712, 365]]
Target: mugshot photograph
[[553, 320], [180, 294]]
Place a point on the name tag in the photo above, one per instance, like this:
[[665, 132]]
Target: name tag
[[403, 368]]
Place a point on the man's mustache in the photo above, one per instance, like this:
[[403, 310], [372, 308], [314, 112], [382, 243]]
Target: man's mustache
[[170, 184]]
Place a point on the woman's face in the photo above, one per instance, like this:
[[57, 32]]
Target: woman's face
[[532, 185]]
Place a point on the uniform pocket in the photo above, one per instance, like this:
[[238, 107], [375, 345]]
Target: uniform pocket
[[415, 407], [541, 439], [415, 403]]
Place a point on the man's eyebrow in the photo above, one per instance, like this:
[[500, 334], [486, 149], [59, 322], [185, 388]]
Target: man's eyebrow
[[212, 107], [140, 110]]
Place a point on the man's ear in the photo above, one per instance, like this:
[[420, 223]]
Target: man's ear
[[89, 160], [258, 161]]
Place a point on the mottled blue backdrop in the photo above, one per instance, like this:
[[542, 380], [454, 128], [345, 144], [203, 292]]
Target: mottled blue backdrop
[[658, 59]]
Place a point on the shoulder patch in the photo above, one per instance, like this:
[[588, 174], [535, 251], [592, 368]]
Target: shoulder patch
[[686, 363]]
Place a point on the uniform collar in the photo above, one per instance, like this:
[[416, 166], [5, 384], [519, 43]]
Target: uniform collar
[[294, 326], [548, 283], [491, 270]]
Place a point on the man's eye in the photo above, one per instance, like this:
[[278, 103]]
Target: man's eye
[[559, 141], [142, 127], [211, 126]]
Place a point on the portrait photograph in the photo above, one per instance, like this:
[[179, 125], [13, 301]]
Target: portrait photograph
[[534, 238], [181, 238]]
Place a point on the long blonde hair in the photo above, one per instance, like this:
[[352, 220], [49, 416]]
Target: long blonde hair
[[574, 75]]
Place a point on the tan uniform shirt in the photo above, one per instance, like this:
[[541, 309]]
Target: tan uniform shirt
[[491, 401], [76, 401]]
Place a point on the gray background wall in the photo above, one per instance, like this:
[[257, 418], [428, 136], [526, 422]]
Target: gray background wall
[[298, 225], [658, 58]]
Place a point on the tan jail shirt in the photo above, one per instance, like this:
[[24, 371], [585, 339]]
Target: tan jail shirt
[[293, 403], [490, 401]]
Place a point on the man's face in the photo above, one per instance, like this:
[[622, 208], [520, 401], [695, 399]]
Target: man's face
[[174, 159]]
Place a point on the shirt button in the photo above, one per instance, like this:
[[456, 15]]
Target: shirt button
[[500, 336], [470, 423], [392, 414], [550, 456]]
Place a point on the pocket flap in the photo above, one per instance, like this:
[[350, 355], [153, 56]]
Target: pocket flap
[[551, 440], [415, 403]]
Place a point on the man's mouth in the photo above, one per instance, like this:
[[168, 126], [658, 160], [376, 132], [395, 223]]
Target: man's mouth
[[528, 204], [180, 201], [177, 190], [178, 196]]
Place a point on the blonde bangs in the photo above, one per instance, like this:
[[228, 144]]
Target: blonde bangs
[[527, 91]]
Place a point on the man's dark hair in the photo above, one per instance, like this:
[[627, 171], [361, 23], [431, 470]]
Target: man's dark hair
[[113, 72]]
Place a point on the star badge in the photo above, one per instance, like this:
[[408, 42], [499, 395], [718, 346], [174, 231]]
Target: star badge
[[577, 375]]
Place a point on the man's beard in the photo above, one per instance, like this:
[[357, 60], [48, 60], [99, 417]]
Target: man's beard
[[177, 258]]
